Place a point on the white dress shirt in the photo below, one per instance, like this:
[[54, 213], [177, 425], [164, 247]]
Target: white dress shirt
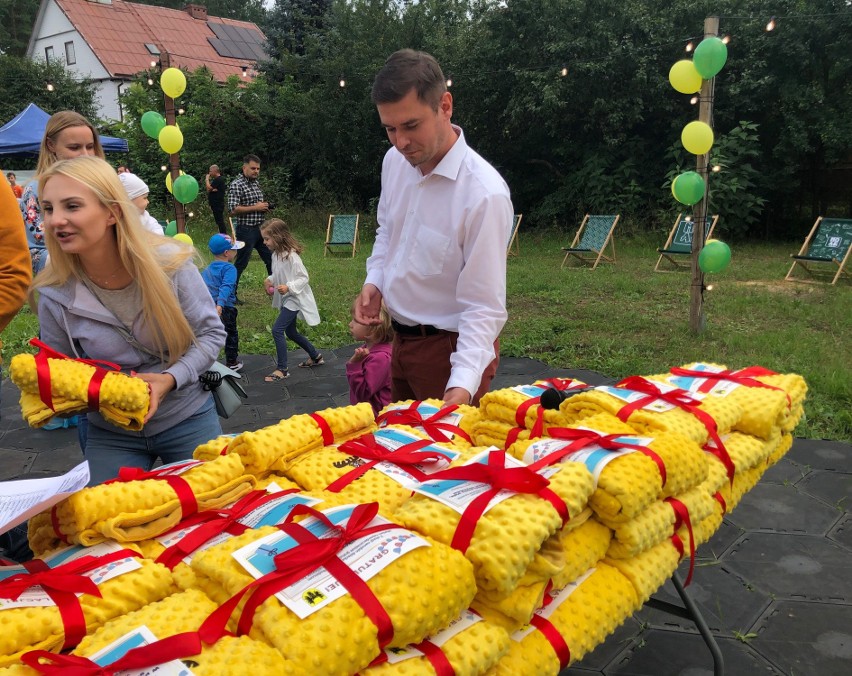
[[440, 252]]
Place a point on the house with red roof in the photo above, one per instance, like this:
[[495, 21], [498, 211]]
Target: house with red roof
[[110, 41]]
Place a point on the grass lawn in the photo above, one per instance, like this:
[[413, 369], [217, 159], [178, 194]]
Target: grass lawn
[[620, 319]]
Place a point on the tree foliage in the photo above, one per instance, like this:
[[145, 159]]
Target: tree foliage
[[17, 18]]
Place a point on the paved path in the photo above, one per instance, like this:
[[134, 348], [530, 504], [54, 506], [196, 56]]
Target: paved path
[[774, 583]]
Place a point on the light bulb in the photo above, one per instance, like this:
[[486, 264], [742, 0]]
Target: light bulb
[[688, 219], [771, 25], [693, 100], [689, 46], [153, 64], [726, 39], [150, 81], [564, 71], [191, 214], [449, 82], [245, 71], [50, 86], [163, 168], [180, 111], [342, 82], [709, 287], [717, 168]]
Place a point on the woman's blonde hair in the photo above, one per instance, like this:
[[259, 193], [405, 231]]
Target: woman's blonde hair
[[283, 241], [383, 331], [150, 259], [58, 123]]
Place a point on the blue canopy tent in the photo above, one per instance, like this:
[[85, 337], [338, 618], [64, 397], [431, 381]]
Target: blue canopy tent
[[23, 133]]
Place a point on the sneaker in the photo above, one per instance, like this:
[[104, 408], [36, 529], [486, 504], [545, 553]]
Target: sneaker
[[236, 366]]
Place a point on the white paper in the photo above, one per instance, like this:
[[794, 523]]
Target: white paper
[[20, 500]]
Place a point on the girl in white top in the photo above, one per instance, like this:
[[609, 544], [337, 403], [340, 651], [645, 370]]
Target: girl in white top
[[291, 294]]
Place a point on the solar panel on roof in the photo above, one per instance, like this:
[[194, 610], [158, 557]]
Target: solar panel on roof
[[236, 42]]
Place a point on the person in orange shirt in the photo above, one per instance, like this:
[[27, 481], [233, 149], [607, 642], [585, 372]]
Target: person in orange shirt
[[18, 190]]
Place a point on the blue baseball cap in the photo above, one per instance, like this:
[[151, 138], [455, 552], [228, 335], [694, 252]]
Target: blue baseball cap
[[219, 244]]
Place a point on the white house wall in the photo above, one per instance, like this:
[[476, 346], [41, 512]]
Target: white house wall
[[54, 30]]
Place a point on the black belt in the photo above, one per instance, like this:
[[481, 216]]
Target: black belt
[[416, 330]]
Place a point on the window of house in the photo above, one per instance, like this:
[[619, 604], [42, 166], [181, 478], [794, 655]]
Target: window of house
[[70, 56], [48, 54]]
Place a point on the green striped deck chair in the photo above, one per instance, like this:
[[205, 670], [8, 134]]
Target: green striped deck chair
[[514, 247], [342, 232], [829, 242], [594, 235], [679, 243]]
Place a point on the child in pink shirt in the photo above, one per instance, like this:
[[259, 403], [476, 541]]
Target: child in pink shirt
[[368, 370]]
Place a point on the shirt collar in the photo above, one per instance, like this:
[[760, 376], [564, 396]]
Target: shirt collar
[[450, 165]]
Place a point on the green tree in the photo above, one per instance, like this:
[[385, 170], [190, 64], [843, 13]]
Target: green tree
[[243, 10], [17, 18]]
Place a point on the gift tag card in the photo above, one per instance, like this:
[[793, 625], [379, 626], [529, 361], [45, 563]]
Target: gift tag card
[[139, 637], [395, 439]]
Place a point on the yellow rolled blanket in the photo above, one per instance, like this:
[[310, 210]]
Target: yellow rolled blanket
[[123, 400], [520, 406], [422, 591], [649, 570], [132, 511], [275, 448], [441, 423], [489, 432]]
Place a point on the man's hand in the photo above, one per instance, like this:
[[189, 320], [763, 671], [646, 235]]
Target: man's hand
[[261, 206], [368, 305], [359, 355], [159, 385], [457, 395]]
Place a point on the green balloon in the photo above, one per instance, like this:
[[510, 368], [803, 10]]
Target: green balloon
[[710, 56], [714, 257], [185, 189], [171, 229], [688, 188], [152, 123]]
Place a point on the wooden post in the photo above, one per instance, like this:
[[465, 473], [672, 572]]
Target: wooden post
[[699, 211], [174, 158]]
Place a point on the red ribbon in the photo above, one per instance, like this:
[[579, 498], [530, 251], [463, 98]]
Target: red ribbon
[[499, 477], [102, 368], [188, 502], [432, 425], [551, 633], [681, 399], [718, 497], [582, 438], [168, 649], [560, 384], [744, 376], [54, 522], [294, 564], [682, 519], [327, 434], [213, 522], [62, 584], [431, 652], [367, 447]]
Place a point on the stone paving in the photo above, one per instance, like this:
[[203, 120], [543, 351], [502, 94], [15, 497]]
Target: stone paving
[[774, 583]]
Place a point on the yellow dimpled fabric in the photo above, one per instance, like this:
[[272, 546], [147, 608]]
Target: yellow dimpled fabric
[[649, 570], [601, 603], [784, 445], [503, 405], [464, 416], [509, 534], [422, 592], [123, 399], [489, 432], [133, 511], [40, 628]]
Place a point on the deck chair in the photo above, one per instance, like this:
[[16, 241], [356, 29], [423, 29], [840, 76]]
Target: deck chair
[[828, 242], [679, 242], [514, 247], [591, 240], [342, 231]]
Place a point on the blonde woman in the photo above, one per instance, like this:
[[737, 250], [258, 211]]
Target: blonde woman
[[115, 292], [66, 135]]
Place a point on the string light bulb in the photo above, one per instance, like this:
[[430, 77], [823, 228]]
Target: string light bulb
[[449, 81], [688, 219], [564, 71], [771, 25], [163, 167], [150, 81], [342, 82], [717, 168], [191, 214], [181, 111], [153, 64], [690, 46], [694, 100], [709, 287], [726, 39], [245, 71]]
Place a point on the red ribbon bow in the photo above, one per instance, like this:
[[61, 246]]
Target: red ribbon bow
[[432, 425], [213, 522], [62, 584], [560, 384], [744, 376], [498, 477], [581, 438], [368, 448], [294, 564], [168, 649], [188, 503], [681, 399], [45, 352]]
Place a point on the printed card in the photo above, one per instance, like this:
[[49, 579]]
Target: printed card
[[141, 636], [693, 384], [458, 625], [393, 440]]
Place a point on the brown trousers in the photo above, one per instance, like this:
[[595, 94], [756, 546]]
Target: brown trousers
[[420, 366]]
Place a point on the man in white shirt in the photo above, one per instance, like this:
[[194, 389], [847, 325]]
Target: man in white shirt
[[439, 261]]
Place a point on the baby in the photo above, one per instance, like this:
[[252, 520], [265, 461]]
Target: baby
[[138, 191]]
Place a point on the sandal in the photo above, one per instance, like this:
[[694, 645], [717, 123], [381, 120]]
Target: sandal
[[276, 375], [308, 363]]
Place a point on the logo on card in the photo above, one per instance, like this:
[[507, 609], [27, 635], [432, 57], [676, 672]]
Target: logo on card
[[352, 460], [313, 596]]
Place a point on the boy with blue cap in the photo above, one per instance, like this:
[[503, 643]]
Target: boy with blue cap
[[221, 279]]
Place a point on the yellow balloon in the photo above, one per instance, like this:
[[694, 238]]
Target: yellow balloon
[[169, 179], [173, 82], [183, 237], [697, 137], [710, 241], [684, 78], [171, 139]]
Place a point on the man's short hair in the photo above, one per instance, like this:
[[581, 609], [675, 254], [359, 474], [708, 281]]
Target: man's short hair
[[251, 158], [10, 174], [405, 70]]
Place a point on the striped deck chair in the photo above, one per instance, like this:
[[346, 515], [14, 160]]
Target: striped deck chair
[[514, 247], [591, 240], [342, 231], [829, 241], [679, 242]]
